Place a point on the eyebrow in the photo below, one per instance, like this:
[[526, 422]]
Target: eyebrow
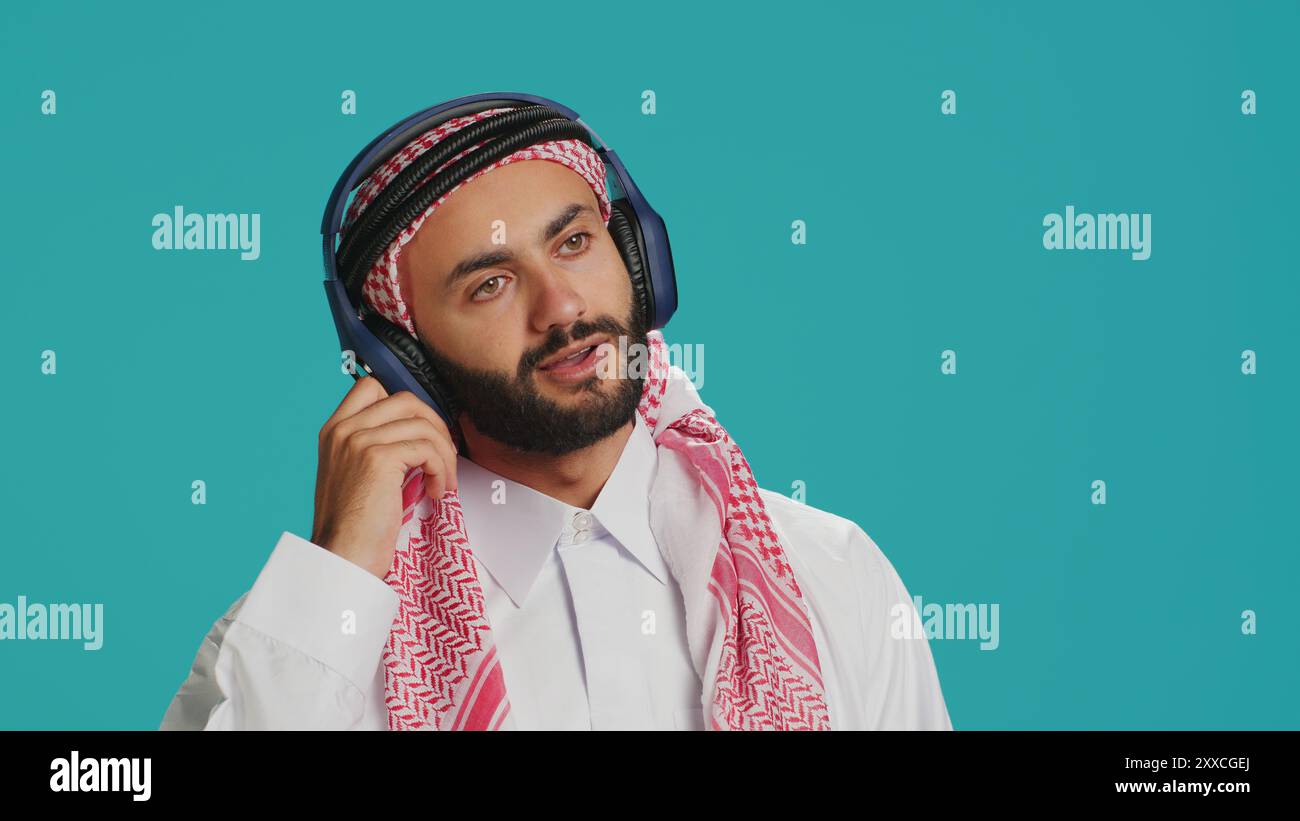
[[488, 259]]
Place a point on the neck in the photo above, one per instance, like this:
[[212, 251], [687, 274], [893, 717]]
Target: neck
[[574, 478]]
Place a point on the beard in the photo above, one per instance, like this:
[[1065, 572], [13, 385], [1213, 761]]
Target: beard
[[511, 410]]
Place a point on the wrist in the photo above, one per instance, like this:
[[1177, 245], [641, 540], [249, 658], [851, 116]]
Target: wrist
[[333, 544]]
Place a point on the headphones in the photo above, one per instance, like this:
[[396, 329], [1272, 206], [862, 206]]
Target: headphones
[[385, 350]]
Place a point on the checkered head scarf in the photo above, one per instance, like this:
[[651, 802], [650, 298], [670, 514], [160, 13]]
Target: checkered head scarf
[[382, 287], [749, 628]]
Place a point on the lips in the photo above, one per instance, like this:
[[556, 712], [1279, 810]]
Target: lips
[[573, 354]]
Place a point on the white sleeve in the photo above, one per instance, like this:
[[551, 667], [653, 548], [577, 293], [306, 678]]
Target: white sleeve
[[906, 695], [302, 649]]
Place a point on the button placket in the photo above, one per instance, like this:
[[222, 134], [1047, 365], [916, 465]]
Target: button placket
[[581, 526]]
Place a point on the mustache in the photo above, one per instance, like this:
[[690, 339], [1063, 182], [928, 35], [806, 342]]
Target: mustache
[[557, 340]]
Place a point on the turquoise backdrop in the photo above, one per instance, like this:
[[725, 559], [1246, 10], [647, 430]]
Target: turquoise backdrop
[[924, 234]]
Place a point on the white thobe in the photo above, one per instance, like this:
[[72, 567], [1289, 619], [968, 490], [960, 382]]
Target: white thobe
[[588, 621]]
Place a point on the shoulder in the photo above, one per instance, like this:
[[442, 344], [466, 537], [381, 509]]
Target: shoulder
[[875, 678], [818, 534], [834, 559]]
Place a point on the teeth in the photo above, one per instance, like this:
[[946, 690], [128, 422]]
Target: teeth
[[570, 360]]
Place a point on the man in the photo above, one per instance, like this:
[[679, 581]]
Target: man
[[585, 549]]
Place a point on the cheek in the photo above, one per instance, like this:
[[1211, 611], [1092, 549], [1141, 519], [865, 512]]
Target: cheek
[[615, 287], [453, 335], [490, 348]]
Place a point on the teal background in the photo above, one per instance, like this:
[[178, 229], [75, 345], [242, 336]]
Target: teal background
[[924, 233]]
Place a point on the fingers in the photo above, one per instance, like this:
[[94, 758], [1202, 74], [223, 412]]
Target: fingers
[[400, 405], [415, 429], [410, 453], [363, 393]]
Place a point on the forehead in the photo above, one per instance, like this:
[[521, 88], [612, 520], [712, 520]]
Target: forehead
[[524, 189], [524, 195]]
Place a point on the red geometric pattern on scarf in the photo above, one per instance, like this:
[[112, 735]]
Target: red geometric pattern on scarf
[[441, 666]]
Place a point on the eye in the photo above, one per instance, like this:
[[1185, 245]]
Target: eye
[[485, 290], [585, 236]]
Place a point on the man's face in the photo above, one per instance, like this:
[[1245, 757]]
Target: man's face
[[511, 270]]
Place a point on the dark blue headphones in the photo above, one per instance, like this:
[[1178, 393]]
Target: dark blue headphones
[[386, 351]]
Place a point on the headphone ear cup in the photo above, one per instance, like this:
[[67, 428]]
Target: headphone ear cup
[[625, 238], [412, 357]]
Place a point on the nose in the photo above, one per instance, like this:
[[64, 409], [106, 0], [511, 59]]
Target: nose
[[556, 303]]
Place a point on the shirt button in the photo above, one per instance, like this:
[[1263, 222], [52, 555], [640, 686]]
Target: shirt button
[[582, 520], [580, 536]]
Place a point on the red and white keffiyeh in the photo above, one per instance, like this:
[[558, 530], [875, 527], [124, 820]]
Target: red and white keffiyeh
[[748, 629], [747, 623]]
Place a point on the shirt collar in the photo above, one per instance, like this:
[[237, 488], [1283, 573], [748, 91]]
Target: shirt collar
[[513, 528]]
